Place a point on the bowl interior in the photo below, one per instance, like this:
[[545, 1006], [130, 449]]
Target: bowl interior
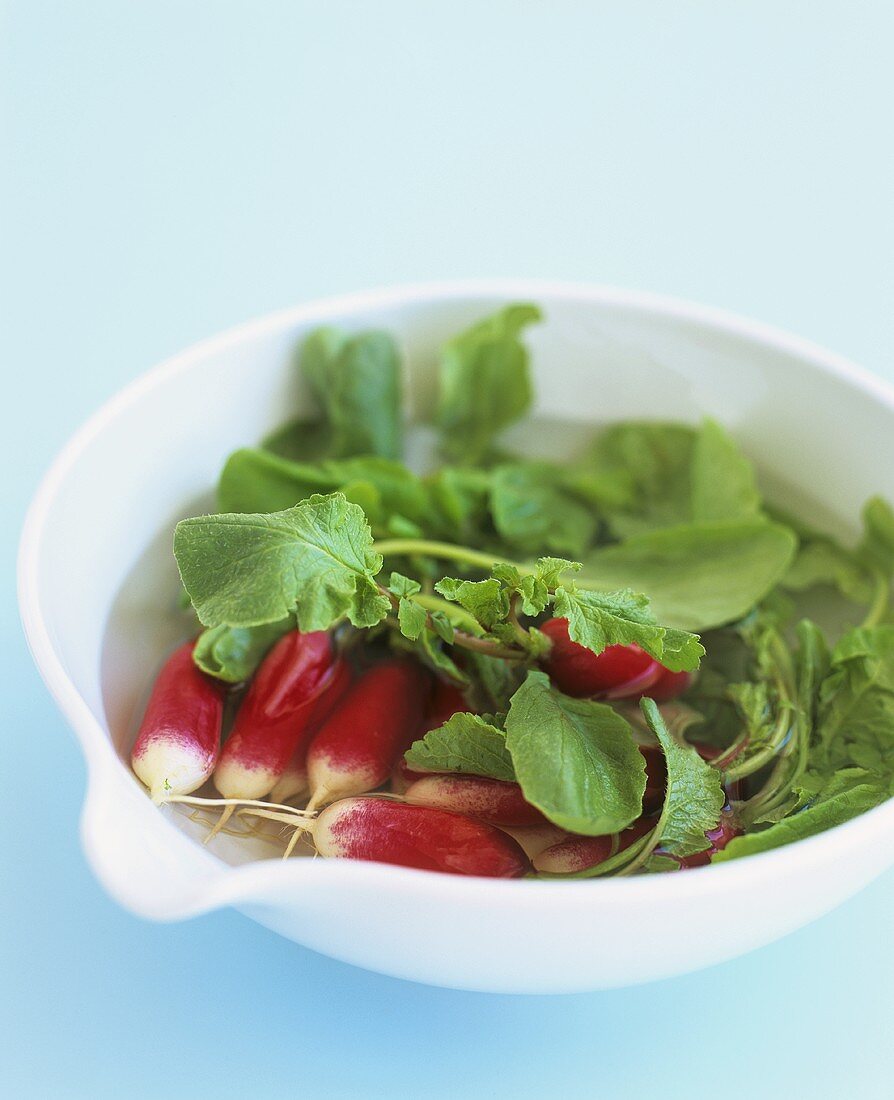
[[106, 579]]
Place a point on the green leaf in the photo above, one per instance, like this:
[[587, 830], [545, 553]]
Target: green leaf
[[856, 573], [535, 595], [494, 681], [432, 652], [723, 482], [821, 560], [812, 666], [357, 381], [300, 440], [877, 546], [575, 760], [844, 799], [700, 575], [755, 707], [534, 588], [856, 708], [232, 653], [466, 743], [461, 499], [485, 383], [532, 510], [658, 863], [316, 559], [600, 619], [550, 570], [403, 586], [486, 600], [411, 618], [256, 481], [680, 650], [655, 460], [677, 475], [443, 627], [694, 797]]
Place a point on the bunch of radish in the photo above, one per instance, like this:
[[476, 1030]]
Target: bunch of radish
[[310, 728]]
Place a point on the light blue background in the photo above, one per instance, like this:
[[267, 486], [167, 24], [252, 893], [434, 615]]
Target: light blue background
[[175, 167]]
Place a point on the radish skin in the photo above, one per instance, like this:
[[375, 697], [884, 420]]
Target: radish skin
[[275, 715], [403, 777], [580, 853], [356, 748], [445, 700], [615, 673], [294, 782], [385, 831], [669, 685], [638, 686], [179, 737], [492, 800]]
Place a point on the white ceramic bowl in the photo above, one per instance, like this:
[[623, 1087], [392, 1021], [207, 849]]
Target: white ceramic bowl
[[98, 585]]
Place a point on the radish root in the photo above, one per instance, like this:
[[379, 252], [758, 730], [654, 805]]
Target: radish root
[[219, 824], [238, 803], [299, 820]]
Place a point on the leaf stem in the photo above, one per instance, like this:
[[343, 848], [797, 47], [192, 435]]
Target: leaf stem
[[460, 637], [785, 728], [444, 550], [460, 618], [449, 551], [647, 849], [512, 618], [879, 602], [754, 763]]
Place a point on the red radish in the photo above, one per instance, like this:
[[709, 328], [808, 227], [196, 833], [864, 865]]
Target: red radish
[[275, 714], [535, 839], [492, 800], [356, 748], [293, 781], [669, 685], [179, 738], [617, 672], [384, 831], [403, 776], [445, 700], [579, 853]]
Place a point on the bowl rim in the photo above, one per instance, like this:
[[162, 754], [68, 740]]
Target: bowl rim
[[225, 884]]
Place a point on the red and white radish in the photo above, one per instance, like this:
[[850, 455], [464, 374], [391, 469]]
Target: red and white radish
[[580, 853], [294, 782], [492, 800], [179, 738], [275, 715], [357, 746], [618, 672], [382, 830]]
